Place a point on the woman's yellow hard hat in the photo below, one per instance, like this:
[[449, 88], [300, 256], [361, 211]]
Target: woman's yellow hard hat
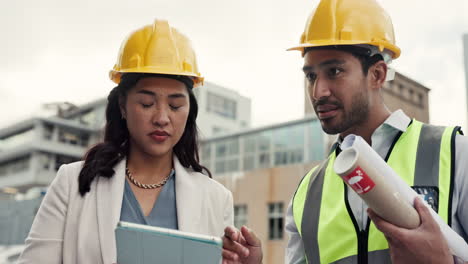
[[157, 48]]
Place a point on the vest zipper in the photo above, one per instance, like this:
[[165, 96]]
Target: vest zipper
[[362, 235]]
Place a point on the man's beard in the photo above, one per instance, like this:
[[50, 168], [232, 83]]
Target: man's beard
[[357, 115]]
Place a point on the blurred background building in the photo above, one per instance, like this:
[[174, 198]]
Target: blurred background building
[[262, 166], [221, 110]]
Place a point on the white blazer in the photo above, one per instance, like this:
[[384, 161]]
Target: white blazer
[[71, 229]]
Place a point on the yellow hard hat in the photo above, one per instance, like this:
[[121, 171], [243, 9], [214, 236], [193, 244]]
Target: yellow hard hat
[[349, 22], [157, 48]]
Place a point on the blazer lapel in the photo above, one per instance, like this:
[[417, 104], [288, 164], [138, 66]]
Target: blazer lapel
[[189, 199], [109, 195]]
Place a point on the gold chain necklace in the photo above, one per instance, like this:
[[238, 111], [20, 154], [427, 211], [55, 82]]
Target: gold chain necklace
[[143, 185]]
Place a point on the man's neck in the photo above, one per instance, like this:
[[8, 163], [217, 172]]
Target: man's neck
[[367, 128]]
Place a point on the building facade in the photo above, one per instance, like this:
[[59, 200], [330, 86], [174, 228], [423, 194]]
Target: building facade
[[32, 151], [262, 167], [221, 110]]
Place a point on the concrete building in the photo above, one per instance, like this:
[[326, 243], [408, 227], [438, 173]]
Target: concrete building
[[31, 151], [262, 167], [221, 110]]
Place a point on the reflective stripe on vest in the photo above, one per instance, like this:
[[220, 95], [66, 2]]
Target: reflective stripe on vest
[[422, 156]]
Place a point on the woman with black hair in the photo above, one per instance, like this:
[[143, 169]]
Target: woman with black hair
[[146, 170]]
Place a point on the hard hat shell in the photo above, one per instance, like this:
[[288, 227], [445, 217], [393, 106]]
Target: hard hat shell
[[157, 48], [349, 22]]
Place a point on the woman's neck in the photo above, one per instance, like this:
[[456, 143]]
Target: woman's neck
[[149, 169]]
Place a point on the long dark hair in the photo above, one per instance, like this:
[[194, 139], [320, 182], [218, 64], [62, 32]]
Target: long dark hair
[[101, 158]]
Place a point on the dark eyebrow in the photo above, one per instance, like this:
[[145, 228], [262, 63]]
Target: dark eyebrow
[[175, 95], [146, 92], [307, 68]]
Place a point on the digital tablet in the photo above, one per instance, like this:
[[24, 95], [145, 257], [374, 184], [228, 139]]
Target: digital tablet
[[142, 244]]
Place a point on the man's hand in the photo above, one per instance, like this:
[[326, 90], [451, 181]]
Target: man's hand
[[424, 244], [241, 247]]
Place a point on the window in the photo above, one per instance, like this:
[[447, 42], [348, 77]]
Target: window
[[289, 144], [264, 141], [20, 164], [401, 90], [73, 137], [44, 160], [48, 131], [275, 221], [222, 106], [249, 144], [227, 155], [411, 95], [240, 215], [15, 166], [316, 147], [420, 99], [20, 138]]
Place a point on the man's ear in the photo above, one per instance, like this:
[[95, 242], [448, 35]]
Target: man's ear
[[377, 74]]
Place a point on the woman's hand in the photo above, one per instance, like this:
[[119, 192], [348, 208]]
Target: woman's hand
[[241, 247]]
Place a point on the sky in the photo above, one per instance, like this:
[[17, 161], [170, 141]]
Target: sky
[[62, 50]]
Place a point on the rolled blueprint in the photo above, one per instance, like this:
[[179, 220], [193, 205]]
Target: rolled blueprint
[[367, 181], [365, 153]]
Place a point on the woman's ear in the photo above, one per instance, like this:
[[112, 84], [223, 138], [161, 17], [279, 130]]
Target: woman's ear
[[123, 113], [378, 74]]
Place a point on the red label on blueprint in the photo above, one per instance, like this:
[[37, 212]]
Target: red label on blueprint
[[359, 181]]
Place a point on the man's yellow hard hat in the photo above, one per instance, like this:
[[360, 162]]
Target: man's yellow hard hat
[[157, 48], [349, 22]]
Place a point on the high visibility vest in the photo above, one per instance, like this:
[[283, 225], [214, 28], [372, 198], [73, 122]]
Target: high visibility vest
[[422, 156]]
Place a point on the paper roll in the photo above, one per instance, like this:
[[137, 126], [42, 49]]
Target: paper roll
[[456, 243], [378, 194]]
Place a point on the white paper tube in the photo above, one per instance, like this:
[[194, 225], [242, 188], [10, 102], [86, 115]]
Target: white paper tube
[[456, 243], [370, 185]]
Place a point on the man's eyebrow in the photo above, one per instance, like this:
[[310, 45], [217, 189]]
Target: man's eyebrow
[[308, 68]]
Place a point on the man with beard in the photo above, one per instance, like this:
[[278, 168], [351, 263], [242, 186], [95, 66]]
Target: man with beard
[[347, 45]]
